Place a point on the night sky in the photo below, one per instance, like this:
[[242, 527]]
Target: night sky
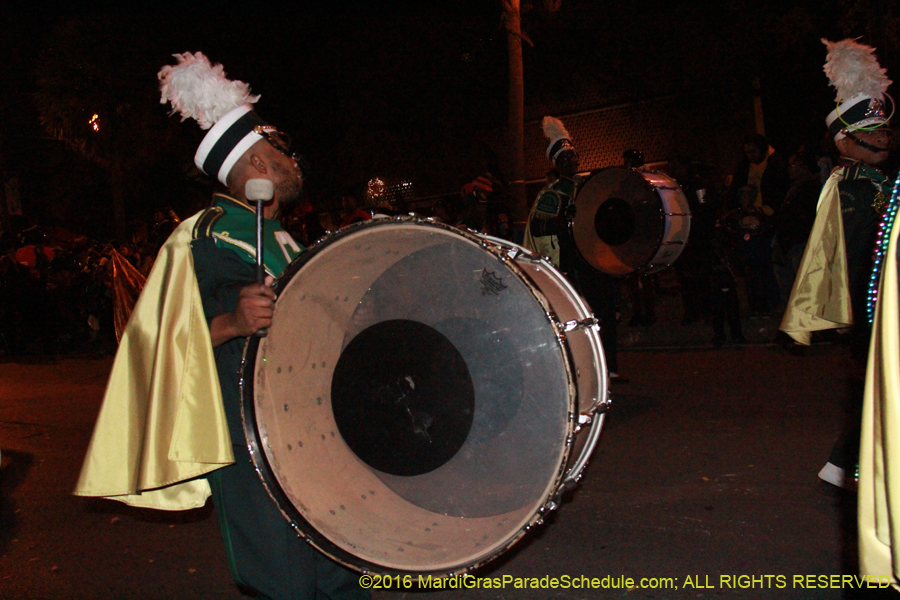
[[395, 89]]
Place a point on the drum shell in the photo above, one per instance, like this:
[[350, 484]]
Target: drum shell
[[350, 493], [567, 306], [584, 348]]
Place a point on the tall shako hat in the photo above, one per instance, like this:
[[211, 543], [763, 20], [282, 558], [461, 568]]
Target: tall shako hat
[[199, 90], [861, 85], [559, 138]]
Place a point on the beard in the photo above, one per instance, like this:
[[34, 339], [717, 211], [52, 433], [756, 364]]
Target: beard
[[288, 188]]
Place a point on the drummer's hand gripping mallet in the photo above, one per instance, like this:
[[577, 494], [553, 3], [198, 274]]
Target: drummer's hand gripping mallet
[[259, 191]]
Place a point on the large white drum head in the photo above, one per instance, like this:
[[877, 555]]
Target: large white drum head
[[412, 403]]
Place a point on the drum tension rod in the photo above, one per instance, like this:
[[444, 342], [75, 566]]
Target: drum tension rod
[[584, 324]]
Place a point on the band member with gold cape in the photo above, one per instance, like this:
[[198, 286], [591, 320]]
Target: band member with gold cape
[[831, 287], [879, 455], [162, 424], [170, 432]]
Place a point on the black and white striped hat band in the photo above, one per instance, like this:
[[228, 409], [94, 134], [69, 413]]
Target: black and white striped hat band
[[558, 146], [227, 141]]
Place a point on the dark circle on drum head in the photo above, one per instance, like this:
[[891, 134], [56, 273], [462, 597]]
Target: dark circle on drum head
[[402, 397], [615, 221]]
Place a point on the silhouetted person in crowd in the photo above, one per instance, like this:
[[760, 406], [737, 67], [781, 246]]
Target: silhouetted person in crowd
[[765, 170], [640, 286], [795, 219], [694, 265]]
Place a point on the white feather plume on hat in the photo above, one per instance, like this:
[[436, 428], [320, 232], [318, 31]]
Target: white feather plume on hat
[[554, 129], [199, 90], [854, 71], [558, 136]]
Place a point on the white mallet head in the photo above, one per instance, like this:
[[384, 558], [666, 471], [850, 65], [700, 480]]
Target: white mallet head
[[259, 190]]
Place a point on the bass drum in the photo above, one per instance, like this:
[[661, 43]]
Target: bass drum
[[629, 220], [423, 397]]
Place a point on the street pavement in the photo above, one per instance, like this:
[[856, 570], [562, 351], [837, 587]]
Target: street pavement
[[704, 480]]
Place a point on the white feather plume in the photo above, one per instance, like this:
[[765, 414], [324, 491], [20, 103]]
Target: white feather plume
[[199, 90], [554, 129], [853, 70]]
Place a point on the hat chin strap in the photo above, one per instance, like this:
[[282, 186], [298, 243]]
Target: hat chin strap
[[865, 145]]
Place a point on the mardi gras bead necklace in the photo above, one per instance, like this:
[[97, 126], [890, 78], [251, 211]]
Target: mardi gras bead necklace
[[881, 241]]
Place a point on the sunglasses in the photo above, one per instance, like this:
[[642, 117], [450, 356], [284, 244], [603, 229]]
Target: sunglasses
[[282, 142]]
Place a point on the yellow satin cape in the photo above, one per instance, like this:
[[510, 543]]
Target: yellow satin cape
[[162, 423], [820, 298], [879, 454]]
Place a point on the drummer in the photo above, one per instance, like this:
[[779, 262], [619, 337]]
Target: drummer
[[169, 433], [547, 233]]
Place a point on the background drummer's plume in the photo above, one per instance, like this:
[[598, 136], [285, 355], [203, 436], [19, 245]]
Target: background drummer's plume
[[199, 90], [554, 129], [853, 70]]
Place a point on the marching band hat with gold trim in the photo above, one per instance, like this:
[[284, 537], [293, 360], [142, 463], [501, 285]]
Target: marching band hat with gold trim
[[861, 85]]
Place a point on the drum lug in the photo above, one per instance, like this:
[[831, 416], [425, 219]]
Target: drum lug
[[504, 252], [588, 417], [512, 254], [556, 501]]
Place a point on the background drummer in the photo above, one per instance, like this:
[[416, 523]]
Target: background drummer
[[547, 233], [170, 433]]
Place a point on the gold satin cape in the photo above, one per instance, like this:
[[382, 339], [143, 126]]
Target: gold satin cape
[[879, 453], [820, 298], [162, 423]]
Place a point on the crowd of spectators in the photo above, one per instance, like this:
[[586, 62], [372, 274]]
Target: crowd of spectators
[[747, 234], [56, 289]]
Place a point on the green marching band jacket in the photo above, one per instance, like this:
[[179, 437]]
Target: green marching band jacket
[[162, 423], [551, 201]]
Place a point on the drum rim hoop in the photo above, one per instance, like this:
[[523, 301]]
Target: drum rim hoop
[[260, 461]]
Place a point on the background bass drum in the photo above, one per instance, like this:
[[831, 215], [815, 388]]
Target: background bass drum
[[629, 220]]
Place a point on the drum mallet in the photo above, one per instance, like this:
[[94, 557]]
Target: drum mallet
[[259, 191]]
